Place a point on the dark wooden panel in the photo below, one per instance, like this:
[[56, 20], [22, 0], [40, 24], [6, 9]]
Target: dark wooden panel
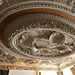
[[4, 72]]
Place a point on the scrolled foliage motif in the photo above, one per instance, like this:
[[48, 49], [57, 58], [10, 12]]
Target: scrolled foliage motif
[[39, 34]]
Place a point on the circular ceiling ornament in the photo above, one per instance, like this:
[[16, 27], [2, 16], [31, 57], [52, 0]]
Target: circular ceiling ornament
[[41, 43], [40, 36]]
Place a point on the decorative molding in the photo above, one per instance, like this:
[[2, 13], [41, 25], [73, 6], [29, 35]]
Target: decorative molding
[[30, 62], [34, 4], [50, 22], [42, 44], [68, 65], [73, 7], [59, 26], [24, 68], [66, 2], [7, 58]]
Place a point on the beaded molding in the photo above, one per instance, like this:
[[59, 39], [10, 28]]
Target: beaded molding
[[34, 4]]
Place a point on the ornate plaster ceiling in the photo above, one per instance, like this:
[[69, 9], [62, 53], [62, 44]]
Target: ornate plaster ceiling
[[38, 35]]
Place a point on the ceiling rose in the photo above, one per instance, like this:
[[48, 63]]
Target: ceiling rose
[[40, 36], [43, 43], [36, 39]]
